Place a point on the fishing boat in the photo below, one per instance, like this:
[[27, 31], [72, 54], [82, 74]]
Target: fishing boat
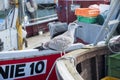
[[15, 63], [19, 64], [32, 64]]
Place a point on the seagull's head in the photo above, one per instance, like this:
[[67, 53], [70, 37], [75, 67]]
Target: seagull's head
[[72, 26]]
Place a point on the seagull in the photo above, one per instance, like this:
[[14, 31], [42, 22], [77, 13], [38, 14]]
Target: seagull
[[62, 42]]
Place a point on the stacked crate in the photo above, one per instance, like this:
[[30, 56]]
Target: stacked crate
[[87, 15], [114, 65]]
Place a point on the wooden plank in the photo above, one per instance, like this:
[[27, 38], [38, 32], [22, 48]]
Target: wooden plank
[[84, 57], [86, 69]]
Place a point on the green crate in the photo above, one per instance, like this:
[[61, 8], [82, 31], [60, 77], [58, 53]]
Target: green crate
[[114, 72], [114, 65], [86, 19], [114, 60]]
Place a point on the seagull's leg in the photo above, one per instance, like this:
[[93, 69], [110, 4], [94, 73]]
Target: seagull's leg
[[61, 53], [64, 52]]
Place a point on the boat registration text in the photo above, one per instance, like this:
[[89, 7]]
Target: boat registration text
[[21, 70]]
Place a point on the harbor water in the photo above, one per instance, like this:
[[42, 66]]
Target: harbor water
[[45, 12]]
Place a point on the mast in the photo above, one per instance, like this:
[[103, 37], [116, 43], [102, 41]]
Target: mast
[[18, 26]]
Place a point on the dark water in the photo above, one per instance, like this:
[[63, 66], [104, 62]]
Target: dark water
[[45, 12]]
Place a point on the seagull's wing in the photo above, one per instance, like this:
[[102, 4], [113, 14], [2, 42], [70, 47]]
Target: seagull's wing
[[60, 43], [63, 41]]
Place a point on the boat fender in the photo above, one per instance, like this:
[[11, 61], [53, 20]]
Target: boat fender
[[31, 5]]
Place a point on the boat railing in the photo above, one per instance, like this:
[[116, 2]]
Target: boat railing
[[83, 64], [41, 20]]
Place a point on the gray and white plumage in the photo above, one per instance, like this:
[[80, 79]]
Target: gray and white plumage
[[62, 42]]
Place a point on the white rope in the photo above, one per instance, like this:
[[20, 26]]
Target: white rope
[[61, 58], [111, 48], [51, 70], [53, 67]]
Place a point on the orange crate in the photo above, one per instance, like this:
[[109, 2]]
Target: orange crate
[[87, 12]]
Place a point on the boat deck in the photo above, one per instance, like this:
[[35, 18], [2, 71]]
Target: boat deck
[[37, 40]]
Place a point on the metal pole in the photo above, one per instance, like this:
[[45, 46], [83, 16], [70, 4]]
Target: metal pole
[[110, 14], [23, 10], [113, 29]]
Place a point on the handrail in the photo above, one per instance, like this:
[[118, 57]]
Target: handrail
[[41, 20]]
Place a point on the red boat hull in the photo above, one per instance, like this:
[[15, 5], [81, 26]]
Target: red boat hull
[[27, 68]]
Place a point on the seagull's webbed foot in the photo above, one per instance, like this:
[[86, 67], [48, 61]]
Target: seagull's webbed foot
[[39, 48]]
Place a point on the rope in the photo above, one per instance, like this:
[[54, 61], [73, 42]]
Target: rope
[[51, 70], [53, 67], [109, 47], [72, 60]]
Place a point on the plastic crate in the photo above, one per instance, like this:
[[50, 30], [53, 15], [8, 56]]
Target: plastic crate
[[110, 78], [87, 12], [114, 60], [86, 19], [114, 72], [114, 65]]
